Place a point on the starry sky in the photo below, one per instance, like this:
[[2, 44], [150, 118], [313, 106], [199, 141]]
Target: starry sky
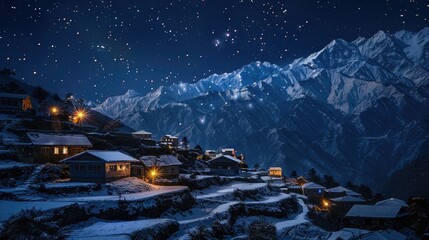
[[100, 48]]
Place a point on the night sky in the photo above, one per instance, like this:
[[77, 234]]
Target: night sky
[[101, 48]]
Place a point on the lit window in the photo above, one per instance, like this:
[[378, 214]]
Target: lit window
[[65, 150], [56, 150]]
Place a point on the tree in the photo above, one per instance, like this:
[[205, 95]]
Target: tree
[[294, 174], [185, 142], [7, 72], [312, 174], [199, 148], [257, 166], [329, 181], [40, 94]]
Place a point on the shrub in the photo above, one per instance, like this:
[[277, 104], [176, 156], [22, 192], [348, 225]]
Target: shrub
[[260, 230], [199, 234], [219, 230]]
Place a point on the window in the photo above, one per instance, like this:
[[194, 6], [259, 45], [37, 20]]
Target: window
[[113, 168], [120, 166], [127, 166], [76, 167], [81, 167], [65, 150], [44, 150], [89, 167], [98, 167], [15, 103], [56, 150]]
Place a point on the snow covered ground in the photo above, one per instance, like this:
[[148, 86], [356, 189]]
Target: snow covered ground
[[228, 189], [299, 219], [129, 197], [9, 208], [114, 230], [6, 164]]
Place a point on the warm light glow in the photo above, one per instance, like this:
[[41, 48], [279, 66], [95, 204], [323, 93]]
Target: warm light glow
[[325, 203], [79, 116], [54, 110], [153, 173]]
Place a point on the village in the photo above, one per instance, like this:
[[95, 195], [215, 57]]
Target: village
[[84, 182]]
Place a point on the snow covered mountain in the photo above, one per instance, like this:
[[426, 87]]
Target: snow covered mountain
[[356, 110]]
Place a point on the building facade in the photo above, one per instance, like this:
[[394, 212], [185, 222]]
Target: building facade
[[11, 102], [50, 147], [224, 165], [99, 166]]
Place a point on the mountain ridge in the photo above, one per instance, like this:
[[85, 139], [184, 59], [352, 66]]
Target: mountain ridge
[[352, 106]]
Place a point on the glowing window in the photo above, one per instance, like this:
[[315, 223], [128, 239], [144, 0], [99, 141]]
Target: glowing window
[[56, 150], [65, 150]]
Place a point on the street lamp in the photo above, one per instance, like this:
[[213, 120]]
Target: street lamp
[[79, 116], [54, 110], [153, 173]]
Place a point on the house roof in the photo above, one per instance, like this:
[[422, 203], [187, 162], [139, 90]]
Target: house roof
[[384, 235], [312, 185], [227, 149], [227, 157], [347, 198], [161, 161], [371, 211], [104, 156], [341, 189], [170, 136], [13, 95], [141, 132], [275, 168], [55, 139], [392, 202]]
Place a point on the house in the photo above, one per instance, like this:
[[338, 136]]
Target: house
[[342, 205], [392, 202], [169, 140], [165, 166], [224, 165], [376, 217], [99, 166], [142, 134], [312, 190], [340, 191], [384, 235], [228, 151], [11, 102], [211, 153], [50, 147], [275, 171]]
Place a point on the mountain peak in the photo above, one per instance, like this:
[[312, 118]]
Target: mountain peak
[[132, 93]]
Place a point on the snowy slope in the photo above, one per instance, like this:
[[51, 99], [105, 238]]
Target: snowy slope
[[352, 109]]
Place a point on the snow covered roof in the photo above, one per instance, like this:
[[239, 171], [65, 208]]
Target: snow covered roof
[[55, 139], [341, 189], [227, 157], [275, 168], [347, 198], [312, 185], [13, 95], [371, 211], [161, 161], [105, 156], [384, 234], [170, 136], [392, 202], [141, 132]]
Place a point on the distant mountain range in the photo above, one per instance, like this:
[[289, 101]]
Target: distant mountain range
[[355, 110]]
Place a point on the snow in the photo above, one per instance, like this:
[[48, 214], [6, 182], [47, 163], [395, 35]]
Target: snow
[[114, 230], [6, 164], [228, 189], [129, 197], [9, 208], [106, 156], [68, 185], [299, 219]]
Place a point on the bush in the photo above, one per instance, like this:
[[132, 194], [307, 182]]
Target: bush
[[26, 225], [219, 230], [199, 234], [158, 232], [259, 230]]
